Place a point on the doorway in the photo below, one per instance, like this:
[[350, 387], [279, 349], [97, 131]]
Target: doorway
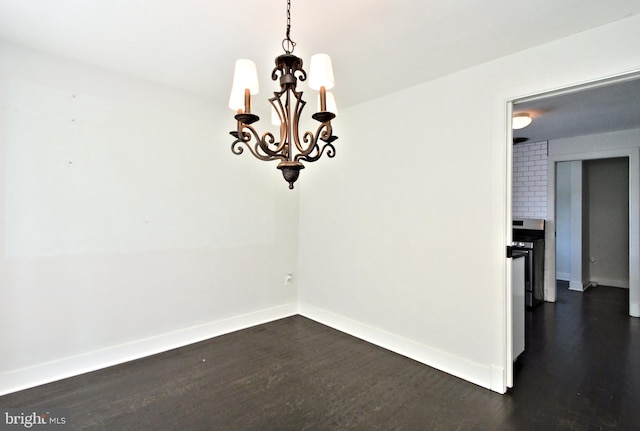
[[592, 223], [590, 149], [632, 155], [577, 124]]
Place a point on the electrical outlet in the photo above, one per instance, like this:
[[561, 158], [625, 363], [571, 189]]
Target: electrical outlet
[[288, 279]]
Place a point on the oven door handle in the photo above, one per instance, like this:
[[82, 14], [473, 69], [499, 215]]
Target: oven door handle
[[509, 252]]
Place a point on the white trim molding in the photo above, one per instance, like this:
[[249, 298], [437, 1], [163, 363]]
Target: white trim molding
[[489, 377], [25, 378]]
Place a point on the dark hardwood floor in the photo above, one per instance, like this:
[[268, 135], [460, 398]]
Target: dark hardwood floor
[[580, 371]]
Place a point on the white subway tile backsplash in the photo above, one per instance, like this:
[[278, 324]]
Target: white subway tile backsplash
[[529, 185]]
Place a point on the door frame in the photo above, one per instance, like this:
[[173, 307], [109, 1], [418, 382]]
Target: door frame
[[504, 100], [634, 219]]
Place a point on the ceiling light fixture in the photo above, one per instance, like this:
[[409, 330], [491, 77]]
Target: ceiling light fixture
[[520, 121], [287, 106]]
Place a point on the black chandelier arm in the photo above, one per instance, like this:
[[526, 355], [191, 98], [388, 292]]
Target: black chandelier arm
[[269, 139], [279, 108], [260, 148], [237, 148], [319, 151], [313, 151], [299, 106], [324, 132]]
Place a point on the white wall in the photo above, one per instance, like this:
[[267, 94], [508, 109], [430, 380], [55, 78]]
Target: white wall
[[128, 226], [606, 215], [402, 239]]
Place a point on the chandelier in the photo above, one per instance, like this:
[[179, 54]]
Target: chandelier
[[287, 105]]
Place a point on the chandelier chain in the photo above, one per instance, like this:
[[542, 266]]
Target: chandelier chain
[[288, 17], [287, 44]]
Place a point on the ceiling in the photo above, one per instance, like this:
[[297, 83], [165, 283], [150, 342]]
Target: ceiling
[[602, 108], [377, 47]]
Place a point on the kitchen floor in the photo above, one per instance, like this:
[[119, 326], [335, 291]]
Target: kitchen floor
[[581, 366], [580, 371]]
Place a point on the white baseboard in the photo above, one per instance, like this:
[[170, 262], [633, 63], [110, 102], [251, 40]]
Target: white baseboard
[[25, 378], [612, 282], [578, 286], [498, 379], [563, 276], [481, 375]]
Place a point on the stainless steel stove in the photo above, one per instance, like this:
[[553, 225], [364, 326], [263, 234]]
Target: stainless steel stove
[[528, 236]]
